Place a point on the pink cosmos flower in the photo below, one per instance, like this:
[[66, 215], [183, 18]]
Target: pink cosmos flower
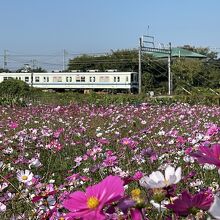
[[58, 132], [136, 214], [13, 125], [110, 161], [212, 130], [89, 204], [128, 142], [138, 175], [54, 145], [190, 204], [210, 155]]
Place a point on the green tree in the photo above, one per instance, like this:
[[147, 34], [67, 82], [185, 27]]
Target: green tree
[[189, 73], [122, 60], [4, 70], [28, 69]]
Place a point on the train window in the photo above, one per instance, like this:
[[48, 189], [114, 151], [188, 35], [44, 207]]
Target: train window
[[67, 79], [77, 78], [135, 77], [83, 78], [19, 78], [46, 79], [37, 79], [114, 78], [126, 78], [26, 79], [57, 79], [5, 78], [104, 79], [70, 79], [118, 79], [92, 79]]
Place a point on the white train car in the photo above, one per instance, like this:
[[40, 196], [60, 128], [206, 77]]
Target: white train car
[[93, 79]]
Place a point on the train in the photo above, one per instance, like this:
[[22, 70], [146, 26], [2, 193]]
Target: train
[[109, 80]]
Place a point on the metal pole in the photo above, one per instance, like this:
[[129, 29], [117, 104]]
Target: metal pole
[[33, 64], [64, 60], [32, 78], [170, 83], [139, 69], [5, 59]]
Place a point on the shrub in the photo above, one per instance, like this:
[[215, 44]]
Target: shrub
[[13, 87]]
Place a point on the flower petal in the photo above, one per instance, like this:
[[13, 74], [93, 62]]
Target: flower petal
[[215, 208]]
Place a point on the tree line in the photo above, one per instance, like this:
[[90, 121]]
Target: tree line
[[188, 73]]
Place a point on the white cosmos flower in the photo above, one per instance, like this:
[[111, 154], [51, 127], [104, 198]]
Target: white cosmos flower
[[161, 206], [24, 176], [3, 186], [99, 134], [158, 180], [215, 208], [34, 162], [2, 207]]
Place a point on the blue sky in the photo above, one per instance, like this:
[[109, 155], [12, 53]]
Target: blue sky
[[80, 26]]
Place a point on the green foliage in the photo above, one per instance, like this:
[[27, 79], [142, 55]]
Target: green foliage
[[4, 70], [13, 87], [187, 73], [12, 101], [122, 60], [198, 96], [29, 70], [38, 70]]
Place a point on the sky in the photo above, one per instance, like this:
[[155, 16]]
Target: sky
[[47, 27]]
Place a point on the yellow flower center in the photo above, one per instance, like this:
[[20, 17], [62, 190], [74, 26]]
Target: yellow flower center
[[166, 181], [92, 202], [24, 177], [135, 193]]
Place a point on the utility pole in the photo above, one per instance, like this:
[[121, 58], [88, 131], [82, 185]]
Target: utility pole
[[33, 64], [5, 59], [170, 78], [64, 59], [147, 45], [139, 66]]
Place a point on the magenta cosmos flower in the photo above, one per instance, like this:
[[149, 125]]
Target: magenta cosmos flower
[[89, 204], [191, 204], [210, 155]]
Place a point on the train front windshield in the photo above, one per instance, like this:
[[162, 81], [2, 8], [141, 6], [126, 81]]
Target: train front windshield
[[134, 78]]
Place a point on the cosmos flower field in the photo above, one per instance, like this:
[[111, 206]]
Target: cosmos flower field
[[116, 162]]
